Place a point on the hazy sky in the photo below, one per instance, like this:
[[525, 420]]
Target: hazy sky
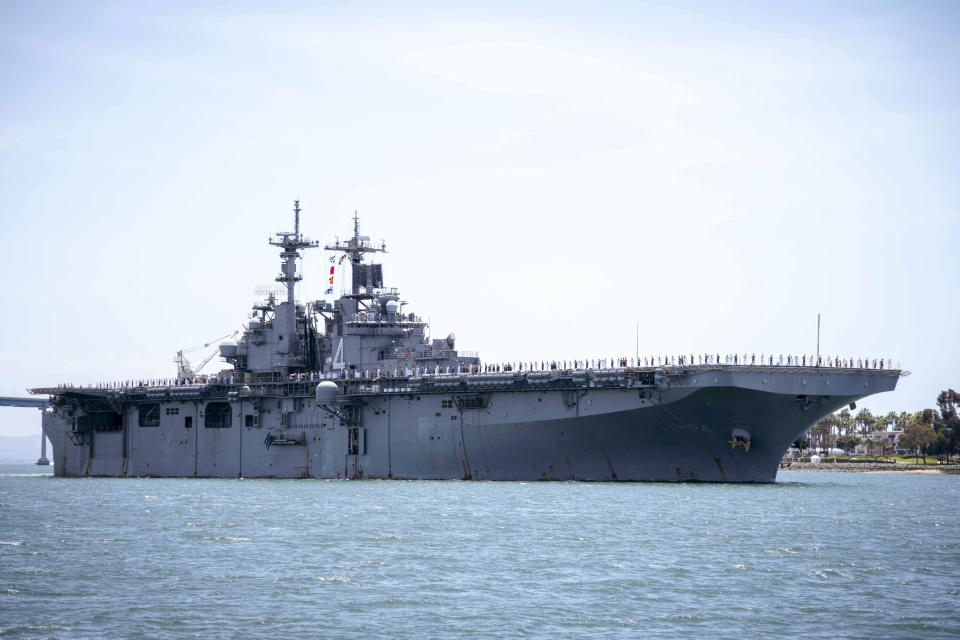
[[547, 176]]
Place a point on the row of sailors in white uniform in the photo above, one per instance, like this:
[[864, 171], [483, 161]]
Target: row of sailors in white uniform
[[613, 363], [789, 361], [153, 382], [732, 359], [603, 363]]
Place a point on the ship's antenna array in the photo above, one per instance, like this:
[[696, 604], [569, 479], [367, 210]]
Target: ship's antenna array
[[296, 218], [355, 247], [290, 244]]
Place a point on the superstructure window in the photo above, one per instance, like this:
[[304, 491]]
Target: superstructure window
[[172, 411], [106, 421], [473, 402], [446, 404], [150, 414], [217, 415], [249, 420]]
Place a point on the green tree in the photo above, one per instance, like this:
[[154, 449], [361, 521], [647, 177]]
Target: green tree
[[864, 422], [942, 445], [822, 431], [847, 443], [801, 444], [901, 419], [843, 422], [947, 423], [885, 422], [918, 436], [885, 447]]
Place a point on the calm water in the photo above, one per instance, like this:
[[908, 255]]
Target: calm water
[[848, 555]]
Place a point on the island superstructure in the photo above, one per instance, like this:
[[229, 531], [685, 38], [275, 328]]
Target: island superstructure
[[354, 388]]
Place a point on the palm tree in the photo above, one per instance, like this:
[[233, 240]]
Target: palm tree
[[843, 422], [864, 421], [820, 432]]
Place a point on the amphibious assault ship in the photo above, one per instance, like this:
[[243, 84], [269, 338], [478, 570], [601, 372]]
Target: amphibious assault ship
[[356, 389]]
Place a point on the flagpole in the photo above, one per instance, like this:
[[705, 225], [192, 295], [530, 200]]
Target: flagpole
[[818, 337]]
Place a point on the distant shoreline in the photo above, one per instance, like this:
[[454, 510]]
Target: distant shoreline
[[866, 467]]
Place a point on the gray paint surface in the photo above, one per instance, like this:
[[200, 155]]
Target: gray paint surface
[[681, 427], [413, 408]]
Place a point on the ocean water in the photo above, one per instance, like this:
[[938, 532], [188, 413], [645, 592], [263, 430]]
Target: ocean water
[[817, 554]]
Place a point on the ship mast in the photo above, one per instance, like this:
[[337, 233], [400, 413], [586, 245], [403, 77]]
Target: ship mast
[[355, 247], [290, 244]]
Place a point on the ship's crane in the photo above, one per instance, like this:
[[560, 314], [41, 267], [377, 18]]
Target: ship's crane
[[185, 369]]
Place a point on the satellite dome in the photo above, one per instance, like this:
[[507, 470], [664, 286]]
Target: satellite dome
[[392, 306], [327, 392]]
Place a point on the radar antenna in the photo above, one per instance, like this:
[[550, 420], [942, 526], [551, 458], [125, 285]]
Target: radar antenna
[[355, 247], [290, 244], [296, 218]]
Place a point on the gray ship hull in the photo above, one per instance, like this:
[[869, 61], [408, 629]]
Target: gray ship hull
[[710, 424]]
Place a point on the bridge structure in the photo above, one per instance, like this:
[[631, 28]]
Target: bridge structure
[[34, 403]]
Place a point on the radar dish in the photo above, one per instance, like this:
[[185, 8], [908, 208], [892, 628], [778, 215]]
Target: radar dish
[[266, 291]]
